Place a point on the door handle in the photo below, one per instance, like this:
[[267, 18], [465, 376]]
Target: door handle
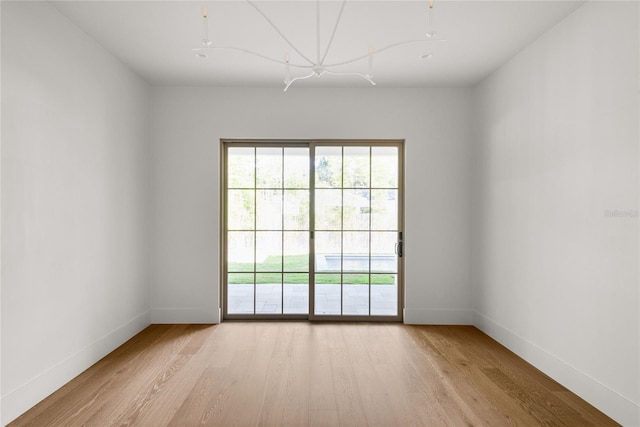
[[398, 249]]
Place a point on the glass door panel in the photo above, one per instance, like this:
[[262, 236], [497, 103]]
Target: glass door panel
[[267, 230], [356, 218]]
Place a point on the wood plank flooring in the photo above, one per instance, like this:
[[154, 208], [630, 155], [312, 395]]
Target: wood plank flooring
[[312, 374]]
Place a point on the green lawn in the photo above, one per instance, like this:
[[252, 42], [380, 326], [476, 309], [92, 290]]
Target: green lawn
[[243, 273]]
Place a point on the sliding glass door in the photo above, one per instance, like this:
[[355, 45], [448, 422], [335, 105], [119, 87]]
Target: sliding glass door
[[312, 230]]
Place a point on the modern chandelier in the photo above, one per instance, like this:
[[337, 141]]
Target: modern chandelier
[[317, 67]]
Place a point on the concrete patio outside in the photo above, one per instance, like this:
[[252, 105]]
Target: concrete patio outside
[[269, 299]]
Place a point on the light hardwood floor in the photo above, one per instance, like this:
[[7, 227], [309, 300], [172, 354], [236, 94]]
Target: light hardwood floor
[[299, 374]]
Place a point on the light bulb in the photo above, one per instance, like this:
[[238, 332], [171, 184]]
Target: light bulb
[[431, 29], [205, 28]]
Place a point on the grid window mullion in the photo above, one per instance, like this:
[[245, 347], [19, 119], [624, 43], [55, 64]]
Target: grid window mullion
[[282, 236], [342, 232], [255, 226], [370, 197]]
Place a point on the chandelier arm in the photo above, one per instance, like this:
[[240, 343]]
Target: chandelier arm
[[364, 76], [391, 46], [333, 33], [250, 52], [279, 32], [297, 78]]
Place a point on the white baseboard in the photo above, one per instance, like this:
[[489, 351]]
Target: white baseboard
[[616, 406], [437, 317], [204, 315], [18, 401]]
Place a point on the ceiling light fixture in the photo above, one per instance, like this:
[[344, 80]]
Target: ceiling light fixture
[[431, 32], [317, 67]]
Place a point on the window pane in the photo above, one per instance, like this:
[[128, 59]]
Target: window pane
[[269, 251], [384, 167], [240, 209], [269, 167], [240, 167], [328, 209], [355, 208], [328, 167], [356, 167], [328, 249], [327, 298], [269, 209], [240, 293], [383, 256], [384, 294], [296, 168], [296, 209], [268, 293], [355, 294], [296, 293], [240, 251], [355, 249], [384, 210], [296, 251]]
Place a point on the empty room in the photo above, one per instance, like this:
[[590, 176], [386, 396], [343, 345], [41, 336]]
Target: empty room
[[319, 212]]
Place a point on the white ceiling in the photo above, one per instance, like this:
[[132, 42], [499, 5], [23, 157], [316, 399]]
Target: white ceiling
[[155, 38]]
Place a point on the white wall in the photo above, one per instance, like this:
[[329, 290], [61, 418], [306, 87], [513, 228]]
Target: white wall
[[555, 273], [75, 212], [189, 122], [0, 215]]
